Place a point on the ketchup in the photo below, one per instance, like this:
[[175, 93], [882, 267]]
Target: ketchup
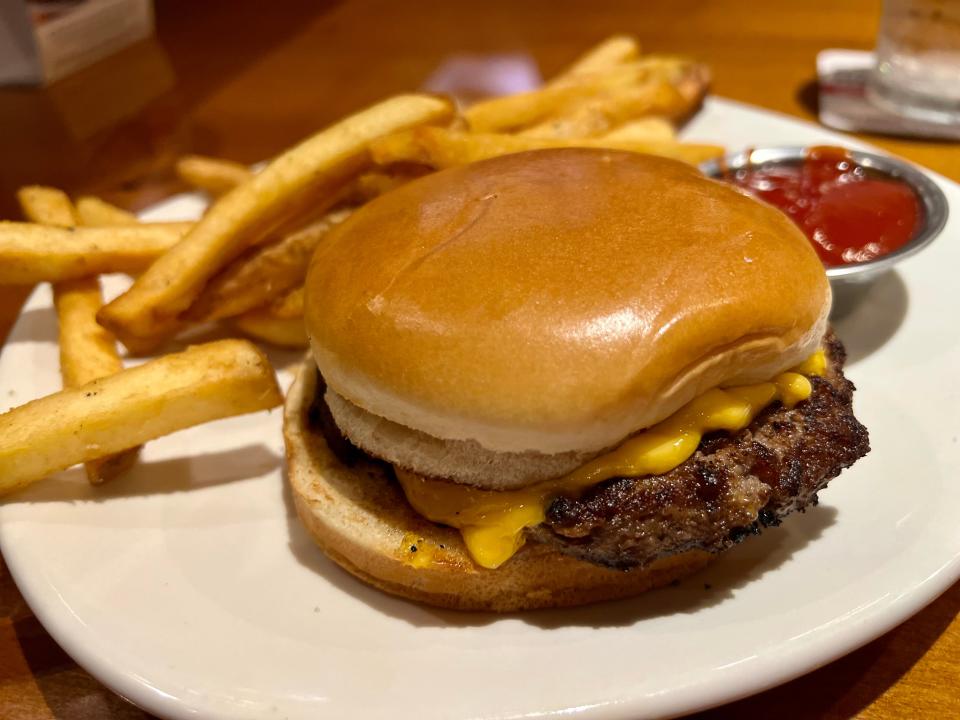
[[850, 213]]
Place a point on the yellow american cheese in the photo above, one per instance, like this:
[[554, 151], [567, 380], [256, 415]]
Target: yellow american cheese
[[492, 522]]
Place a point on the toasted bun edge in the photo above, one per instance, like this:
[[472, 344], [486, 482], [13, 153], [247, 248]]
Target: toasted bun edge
[[360, 519]]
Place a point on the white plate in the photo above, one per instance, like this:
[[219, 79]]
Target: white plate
[[189, 587]]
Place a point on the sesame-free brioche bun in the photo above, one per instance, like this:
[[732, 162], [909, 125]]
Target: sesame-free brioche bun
[[557, 301], [361, 520]]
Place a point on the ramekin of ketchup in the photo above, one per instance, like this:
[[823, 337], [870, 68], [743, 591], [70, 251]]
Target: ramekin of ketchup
[[851, 213]]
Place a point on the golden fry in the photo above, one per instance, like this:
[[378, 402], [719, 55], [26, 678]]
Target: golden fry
[[46, 205], [406, 146], [601, 113], [95, 212], [267, 272], [375, 183], [290, 305], [692, 86], [516, 111], [112, 414], [33, 253], [512, 112], [87, 351], [611, 52], [402, 145], [446, 148], [262, 324], [307, 176], [647, 129], [213, 175]]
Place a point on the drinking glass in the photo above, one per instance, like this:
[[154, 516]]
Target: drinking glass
[[918, 60]]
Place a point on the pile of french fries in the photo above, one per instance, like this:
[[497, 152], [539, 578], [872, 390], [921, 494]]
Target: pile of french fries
[[244, 262]]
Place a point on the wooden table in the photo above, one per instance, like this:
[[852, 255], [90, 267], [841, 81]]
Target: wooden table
[[235, 80]]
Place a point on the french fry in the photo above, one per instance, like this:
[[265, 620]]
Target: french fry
[[213, 175], [512, 112], [87, 351], [263, 324], [692, 86], [600, 114], [109, 415], [611, 52], [254, 280], [47, 205], [447, 148], [95, 212], [400, 146], [376, 182], [306, 176], [648, 129], [290, 305], [412, 146], [34, 253]]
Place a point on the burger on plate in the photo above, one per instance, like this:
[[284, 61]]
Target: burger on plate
[[561, 376]]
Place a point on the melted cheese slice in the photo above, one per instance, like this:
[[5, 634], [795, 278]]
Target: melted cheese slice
[[492, 521]]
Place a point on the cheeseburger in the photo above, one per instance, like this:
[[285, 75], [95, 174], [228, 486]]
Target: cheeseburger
[[561, 376]]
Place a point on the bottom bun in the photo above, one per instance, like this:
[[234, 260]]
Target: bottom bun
[[360, 518]]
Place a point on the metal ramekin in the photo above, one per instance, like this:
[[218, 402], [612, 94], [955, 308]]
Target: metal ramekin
[[932, 200]]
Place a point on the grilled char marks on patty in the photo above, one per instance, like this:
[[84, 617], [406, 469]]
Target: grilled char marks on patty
[[729, 489]]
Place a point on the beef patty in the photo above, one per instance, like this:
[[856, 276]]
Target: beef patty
[[732, 487]]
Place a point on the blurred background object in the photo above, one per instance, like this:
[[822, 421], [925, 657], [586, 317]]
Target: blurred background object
[[44, 40], [918, 60], [910, 86], [843, 76], [227, 79], [471, 77]]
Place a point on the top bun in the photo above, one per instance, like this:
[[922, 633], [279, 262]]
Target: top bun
[[558, 300]]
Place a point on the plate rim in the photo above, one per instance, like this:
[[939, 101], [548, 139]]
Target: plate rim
[[711, 692]]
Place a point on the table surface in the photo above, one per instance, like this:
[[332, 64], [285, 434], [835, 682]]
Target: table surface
[[229, 79]]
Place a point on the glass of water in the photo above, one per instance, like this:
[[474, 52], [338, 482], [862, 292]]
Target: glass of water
[[918, 60]]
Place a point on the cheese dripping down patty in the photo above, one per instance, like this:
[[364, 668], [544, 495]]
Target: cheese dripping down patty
[[492, 521]]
